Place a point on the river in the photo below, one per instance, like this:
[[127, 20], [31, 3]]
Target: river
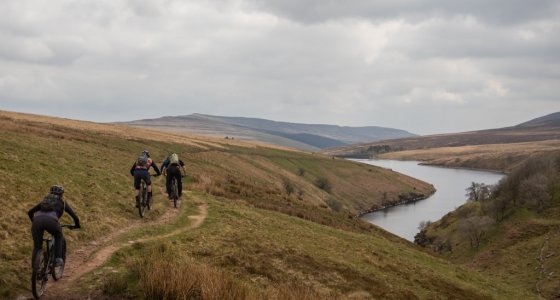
[[403, 220]]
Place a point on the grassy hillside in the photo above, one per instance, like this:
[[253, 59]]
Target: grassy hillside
[[275, 217], [514, 234], [474, 143], [497, 157], [262, 253]]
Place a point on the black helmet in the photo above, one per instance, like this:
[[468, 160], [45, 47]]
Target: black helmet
[[57, 190], [146, 152]]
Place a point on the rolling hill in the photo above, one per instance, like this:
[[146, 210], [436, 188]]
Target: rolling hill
[[300, 136], [494, 149], [256, 223]]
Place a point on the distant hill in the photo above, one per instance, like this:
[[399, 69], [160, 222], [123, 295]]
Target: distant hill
[[539, 129], [552, 120], [295, 135]]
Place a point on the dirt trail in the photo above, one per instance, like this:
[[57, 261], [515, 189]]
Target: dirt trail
[[87, 258]]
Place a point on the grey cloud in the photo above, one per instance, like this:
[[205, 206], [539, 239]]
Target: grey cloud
[[414, 68], [495, 11]]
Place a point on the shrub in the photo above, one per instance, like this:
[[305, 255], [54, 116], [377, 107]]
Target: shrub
[[324, 184], [333, 203], [475, 228], [301, 171], [424, 225], [288, 185]]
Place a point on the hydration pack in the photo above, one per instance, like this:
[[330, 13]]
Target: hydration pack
[[49, 203], [174, 159]]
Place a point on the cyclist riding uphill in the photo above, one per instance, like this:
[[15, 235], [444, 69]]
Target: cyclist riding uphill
[[45, 216], [171, 168], [140, 170]]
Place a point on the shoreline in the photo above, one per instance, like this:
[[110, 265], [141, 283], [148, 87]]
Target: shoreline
[[393, 204]]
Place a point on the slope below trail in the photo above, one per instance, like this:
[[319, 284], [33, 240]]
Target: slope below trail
[[89, 257]]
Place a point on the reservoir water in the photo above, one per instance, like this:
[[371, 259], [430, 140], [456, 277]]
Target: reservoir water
[[403, 220]]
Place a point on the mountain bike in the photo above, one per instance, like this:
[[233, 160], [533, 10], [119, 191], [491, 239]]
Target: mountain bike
[[43, 264], [144, 201], [174, 192]]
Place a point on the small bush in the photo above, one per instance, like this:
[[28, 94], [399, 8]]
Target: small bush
[[301, 172], [288, 185], [324, 184], [334, 204], [424, 225]]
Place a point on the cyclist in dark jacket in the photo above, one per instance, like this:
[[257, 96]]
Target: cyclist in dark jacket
[[171, 168], [46, 218], [141, 170]]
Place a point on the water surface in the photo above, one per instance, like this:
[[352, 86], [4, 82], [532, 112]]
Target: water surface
[[403, 220]]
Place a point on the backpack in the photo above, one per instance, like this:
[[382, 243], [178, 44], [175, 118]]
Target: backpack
[[142, 160], [49, 203], [174, 159]]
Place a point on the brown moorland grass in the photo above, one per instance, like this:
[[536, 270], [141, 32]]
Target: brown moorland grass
[[259, 254], [497, 157], [93, 165]]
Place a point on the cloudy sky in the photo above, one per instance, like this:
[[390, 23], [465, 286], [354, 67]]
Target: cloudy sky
[[426, 66]]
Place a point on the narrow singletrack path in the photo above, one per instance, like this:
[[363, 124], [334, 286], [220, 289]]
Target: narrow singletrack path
[[89, 257]]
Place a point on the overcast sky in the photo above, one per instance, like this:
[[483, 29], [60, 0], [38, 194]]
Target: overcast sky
[[427, 66]]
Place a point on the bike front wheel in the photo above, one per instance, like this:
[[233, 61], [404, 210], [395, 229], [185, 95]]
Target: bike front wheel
[[39, 274]]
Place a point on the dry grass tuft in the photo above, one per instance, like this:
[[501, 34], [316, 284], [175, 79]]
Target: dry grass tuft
[[164, 277]]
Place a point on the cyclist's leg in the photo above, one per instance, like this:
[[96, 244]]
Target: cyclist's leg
[[168, 181], [53, 227], [37, 231], [177, 174], [148, 180], [137, 178]]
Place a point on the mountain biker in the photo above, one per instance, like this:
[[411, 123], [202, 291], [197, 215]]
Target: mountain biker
[[140, 170], [171, 168], [45, 216]]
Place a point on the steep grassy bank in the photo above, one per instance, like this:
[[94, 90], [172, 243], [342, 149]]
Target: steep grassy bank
[[514, 234], [258, 253], [92, 162]]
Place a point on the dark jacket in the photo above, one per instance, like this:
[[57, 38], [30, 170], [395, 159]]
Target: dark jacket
[[167, 163], [61, 207], [151, 164]]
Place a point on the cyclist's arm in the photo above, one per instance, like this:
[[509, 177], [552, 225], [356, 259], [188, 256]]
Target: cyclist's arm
[[132, 169], [33, 210], [182, 164], [70, 211], [164, 166], [156, 168]]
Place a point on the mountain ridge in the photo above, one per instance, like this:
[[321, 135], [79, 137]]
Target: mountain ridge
[[297, 135], [535, 130]]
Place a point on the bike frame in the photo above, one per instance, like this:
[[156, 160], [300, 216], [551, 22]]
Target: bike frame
[[43, 264]]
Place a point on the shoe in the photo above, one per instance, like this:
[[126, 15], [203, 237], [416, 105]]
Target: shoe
[[58, 262], [137, 202]]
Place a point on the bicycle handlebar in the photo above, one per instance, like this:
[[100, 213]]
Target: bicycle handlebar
[[69, 226]]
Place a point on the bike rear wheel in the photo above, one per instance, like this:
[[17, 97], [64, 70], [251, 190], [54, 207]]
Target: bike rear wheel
[[175, 192], [57, 272], [148, 200], [142, 204], [39, 273]]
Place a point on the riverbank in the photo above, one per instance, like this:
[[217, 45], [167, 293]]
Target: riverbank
[[403, 217], [411, 198]]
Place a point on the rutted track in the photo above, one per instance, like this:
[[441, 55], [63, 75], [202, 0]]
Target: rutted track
[[87, 258]]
